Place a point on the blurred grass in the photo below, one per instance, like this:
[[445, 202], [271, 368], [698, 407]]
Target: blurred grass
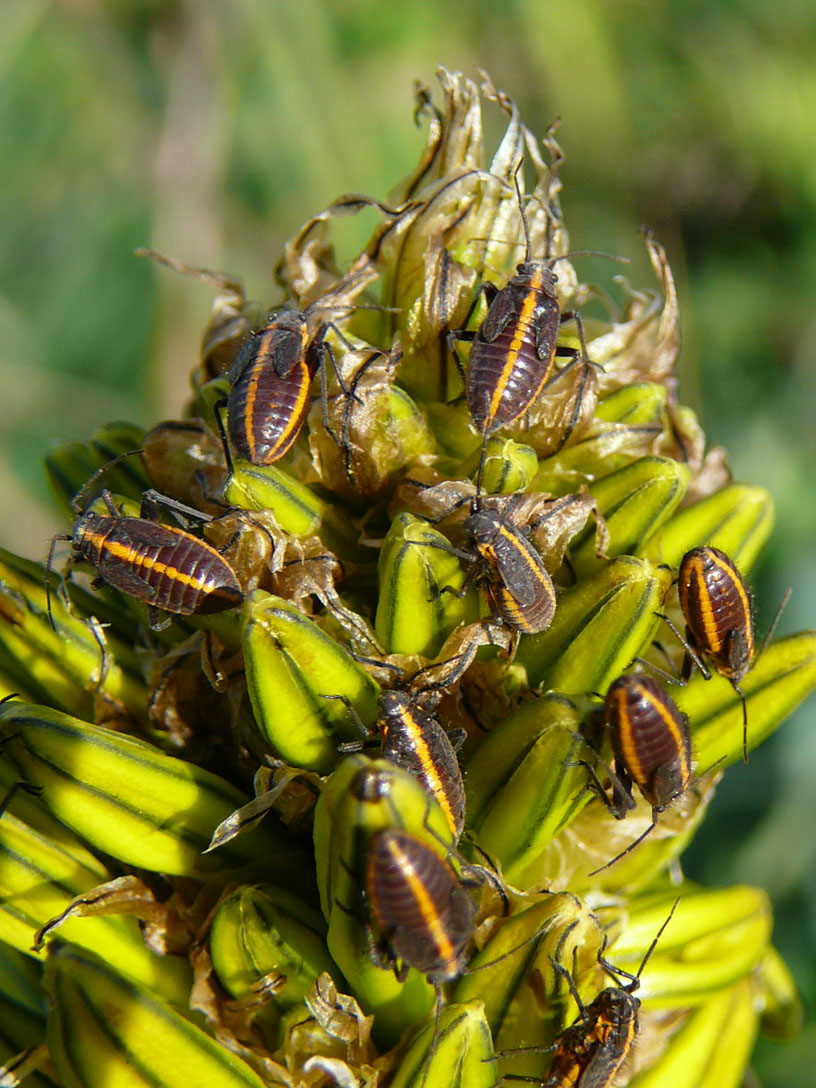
[[210, 131]]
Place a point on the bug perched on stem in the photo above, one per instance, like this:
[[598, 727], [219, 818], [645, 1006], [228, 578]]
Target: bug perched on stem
[[414, 740], [652, 748], [513, 352], [716, 606]]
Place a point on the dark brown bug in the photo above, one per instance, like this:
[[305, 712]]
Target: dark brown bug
[[719, 619], [519, 588], [652, 747], [419, 905], [513, 352], [166, 567], [270, 386], [592, 1051], [415, 741]]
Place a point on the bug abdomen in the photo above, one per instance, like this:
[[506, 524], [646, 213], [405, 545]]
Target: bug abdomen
[[418, 903], [650, 738], [265, 411]]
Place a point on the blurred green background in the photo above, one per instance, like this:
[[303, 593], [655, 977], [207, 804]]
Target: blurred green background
[[212, 130]]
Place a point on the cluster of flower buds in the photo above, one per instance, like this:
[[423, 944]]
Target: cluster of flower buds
[[408, 664]]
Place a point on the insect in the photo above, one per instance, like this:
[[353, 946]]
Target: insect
[[421, 908], [652, 748], [519, 588], [270, 384], [716, 605], [414, 740], [166, 567], [513, 352], [592, 1051]]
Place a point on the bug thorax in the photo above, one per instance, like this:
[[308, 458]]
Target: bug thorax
[[542, 275], [482, 527]]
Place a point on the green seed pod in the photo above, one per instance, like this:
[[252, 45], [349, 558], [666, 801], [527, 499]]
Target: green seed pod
[[414, 615], [21, 981], [362, 797], [22, 1013], [737, 519], [527, 1002], [302, 684], [293, 506], [601, 625], [635, 501], [261, 931], [508, 467], [781, 678], [38, 880], [639, 403], [523, 784], [71, 464], [69, 660], [782, 1011], [127, 798], [29, 808], [105, 1029], [455, 1053]]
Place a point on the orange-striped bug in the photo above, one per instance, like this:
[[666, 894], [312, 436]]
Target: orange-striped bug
[[414, 740], [513, 352], [716, 606], [166, 567], [420, 906], [652, 748], [592, 1051]]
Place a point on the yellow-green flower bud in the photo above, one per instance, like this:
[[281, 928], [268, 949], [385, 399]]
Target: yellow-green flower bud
[[105, 1029], [782, 1011], [454, 1052], [307, 692], [419, 580], [74, 663], [38, 880], [126, 797], [600, 626], [737, 519], [634, 501], [710, 1047], [527, 1001], [780, 679], [715, 938], [293, 506], [265, 938], [509, 466], [523, 783]]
